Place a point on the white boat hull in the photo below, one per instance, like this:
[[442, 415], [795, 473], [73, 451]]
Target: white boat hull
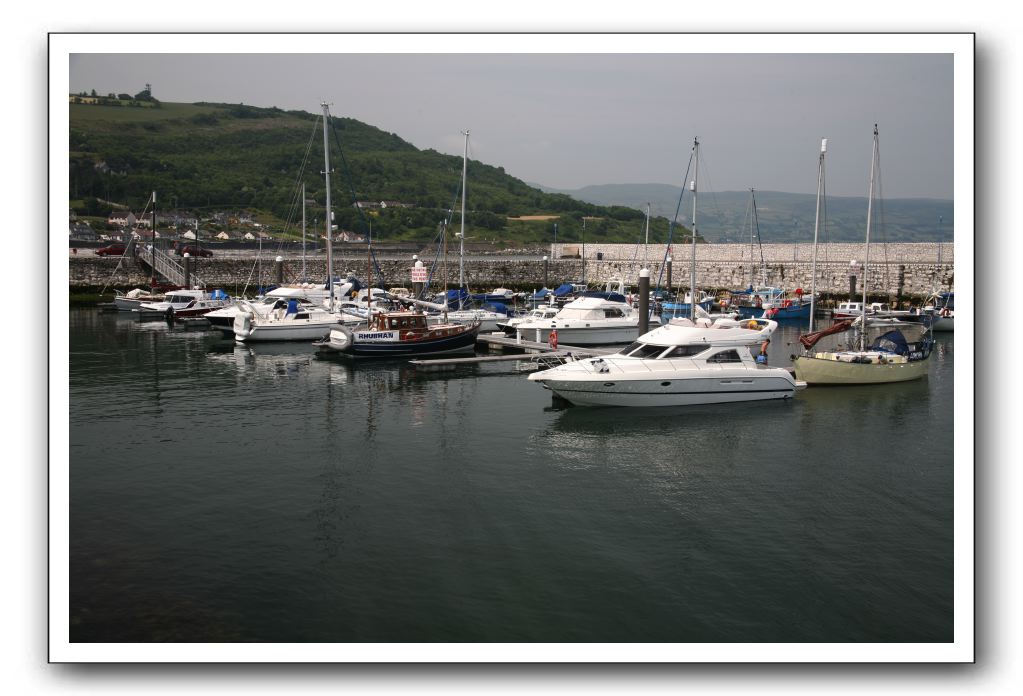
[[571, 336], [678, 392], [248, 329], [310, 332]]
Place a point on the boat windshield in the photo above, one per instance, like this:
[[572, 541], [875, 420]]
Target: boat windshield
[[642, 350]]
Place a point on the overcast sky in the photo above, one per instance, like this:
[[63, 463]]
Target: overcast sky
[[573, 120]]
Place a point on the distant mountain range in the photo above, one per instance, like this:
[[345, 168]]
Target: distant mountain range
[[781, 217]]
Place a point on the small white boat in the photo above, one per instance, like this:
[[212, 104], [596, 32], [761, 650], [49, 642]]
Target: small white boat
[[289, 323], [540, 314], [678, 364], [188, 303], [223, 318], [941, 309], [488, 320], [133, 299]]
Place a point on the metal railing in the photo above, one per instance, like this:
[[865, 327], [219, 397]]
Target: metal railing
[[164, 264]]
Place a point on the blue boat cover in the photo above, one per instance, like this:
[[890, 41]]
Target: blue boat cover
[[612, 296]]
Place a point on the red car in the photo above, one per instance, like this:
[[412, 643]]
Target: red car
[[111, 250], [194, 251]]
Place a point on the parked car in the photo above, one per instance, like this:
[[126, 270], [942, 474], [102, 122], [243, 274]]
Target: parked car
[[194, 251], [111, 250]]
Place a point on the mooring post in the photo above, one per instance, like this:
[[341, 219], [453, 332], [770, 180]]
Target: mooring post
[[187, 259], [644, 300], [279, 269], [546, 263], [669, 273]]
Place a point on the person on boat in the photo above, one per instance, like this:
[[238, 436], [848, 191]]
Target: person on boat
[[762, 358], [552, 339], [758, 302]]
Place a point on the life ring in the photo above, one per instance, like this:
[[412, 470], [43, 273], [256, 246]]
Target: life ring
[[786, 303]]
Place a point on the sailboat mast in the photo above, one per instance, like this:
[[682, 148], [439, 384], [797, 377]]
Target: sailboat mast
[[444, 242], [751, 238], [330, 243], [692, 273], [461, 240], [755, 223], [153, 237], [816, 229], [303, 232], [866, 252]]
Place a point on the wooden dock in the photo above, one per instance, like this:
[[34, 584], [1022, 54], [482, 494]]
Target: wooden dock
[[498, 341], [524, 350]]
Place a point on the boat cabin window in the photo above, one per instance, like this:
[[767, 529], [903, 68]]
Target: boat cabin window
[[725, 356], [302, 315], [684, 351], [642, 350], [648, 351], [613, 313]]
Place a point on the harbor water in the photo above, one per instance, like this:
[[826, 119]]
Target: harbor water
[[229, 493]]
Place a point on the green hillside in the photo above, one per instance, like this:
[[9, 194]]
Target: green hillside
[[217, 157]]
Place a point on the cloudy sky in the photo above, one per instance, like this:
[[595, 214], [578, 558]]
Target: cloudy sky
[[570, 120]]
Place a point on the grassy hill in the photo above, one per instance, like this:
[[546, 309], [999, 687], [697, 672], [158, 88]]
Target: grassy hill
[[206, 157], [783, 217]]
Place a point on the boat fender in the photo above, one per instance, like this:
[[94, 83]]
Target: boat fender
[[345, 340]]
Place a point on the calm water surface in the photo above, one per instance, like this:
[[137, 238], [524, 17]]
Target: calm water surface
[[230, 493]]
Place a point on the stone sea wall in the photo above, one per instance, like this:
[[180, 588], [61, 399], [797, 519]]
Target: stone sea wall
[[919, 268]]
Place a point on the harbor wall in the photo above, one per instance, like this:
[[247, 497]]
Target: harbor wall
[[918, 268]]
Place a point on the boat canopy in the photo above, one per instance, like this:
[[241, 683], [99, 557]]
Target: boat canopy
[[604, 295], [563, 290]]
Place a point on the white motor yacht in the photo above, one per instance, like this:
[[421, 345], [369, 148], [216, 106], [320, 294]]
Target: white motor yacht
[[586, 321], [188, 303], [678, 364], [306, 295], [289, 323]]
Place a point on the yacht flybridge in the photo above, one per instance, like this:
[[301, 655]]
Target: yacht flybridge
[[679, 364]]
